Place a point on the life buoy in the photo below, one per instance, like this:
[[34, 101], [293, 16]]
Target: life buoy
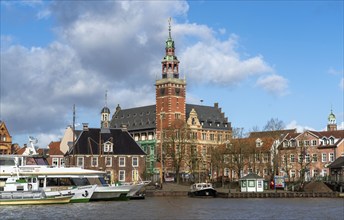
[[29, 186]]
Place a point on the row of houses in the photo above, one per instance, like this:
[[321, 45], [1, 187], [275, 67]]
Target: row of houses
[[185, 140]]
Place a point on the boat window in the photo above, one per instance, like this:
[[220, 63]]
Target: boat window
[[41, 161], [52, 182], [103, 181], [7, 162], [80, 181]]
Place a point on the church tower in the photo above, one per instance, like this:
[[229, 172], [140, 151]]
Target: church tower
[[170, 89], [331, 123], [105, 116]]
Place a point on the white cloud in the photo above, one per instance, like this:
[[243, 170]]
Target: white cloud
[[115, 46], [300, 128], [341, 84], [274, 84]]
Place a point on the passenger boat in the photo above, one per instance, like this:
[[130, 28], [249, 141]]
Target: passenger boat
[[202, 190], [31, 198], [82, 183]]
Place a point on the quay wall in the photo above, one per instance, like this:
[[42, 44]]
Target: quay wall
[[158, 193]]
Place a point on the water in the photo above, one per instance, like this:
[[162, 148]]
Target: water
[[185, 208]]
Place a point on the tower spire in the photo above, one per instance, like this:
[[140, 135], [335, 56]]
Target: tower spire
[[169, 27]]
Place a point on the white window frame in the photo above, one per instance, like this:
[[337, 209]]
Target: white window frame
[[292, 158], [119, 161], [62, 162], [121, 175], [323, 157], [55, 162], [137, 161], [331, 157], [106, 160], [82, 160], [108, 147], [94, 159]]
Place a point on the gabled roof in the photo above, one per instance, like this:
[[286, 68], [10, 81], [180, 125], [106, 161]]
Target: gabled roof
[[123, 144], [279, 133], [327, 134], [251, 176], [143, 118], [54, 148]]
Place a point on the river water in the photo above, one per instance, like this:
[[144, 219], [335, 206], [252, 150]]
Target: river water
[[185, 208]]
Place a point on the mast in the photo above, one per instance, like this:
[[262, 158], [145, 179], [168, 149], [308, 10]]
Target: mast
[[73, 133]]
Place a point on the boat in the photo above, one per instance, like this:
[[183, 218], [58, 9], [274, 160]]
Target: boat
[[135, 191], [31, 198], [82, 183], [202, 190]]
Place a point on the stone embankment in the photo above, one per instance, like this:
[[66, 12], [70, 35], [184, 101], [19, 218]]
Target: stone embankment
[[175, 190]]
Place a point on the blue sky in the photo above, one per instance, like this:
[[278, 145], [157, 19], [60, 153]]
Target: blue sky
[[257, 59]]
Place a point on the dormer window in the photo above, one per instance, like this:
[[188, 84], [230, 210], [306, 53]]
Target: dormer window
[[331, 140], [259, 143], [108, 147]]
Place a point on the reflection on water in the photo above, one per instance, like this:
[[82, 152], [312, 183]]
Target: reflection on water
[[185, 208]]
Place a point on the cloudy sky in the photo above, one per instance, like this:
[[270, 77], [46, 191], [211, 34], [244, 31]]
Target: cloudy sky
[[259, 60]]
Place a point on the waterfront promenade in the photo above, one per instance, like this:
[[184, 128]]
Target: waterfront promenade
[[179, 190]]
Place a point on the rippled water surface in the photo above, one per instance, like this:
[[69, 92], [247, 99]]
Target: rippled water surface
[[185, 208]]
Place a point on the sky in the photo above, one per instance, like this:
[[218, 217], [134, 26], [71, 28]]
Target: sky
[[258, 59]]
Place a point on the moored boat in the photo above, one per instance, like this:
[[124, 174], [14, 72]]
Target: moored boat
[[202, 190], [31, 198]]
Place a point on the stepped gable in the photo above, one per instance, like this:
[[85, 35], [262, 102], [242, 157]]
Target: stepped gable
[[123, 143], [210, 117], [143, 118], [140, 118]]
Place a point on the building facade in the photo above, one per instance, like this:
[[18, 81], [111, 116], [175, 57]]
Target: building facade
[[207, 125], [5, 139], [112, 150]]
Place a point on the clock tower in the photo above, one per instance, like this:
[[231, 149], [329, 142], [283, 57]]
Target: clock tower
[[170, 89]]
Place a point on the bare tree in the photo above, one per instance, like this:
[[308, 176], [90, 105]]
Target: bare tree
[[273, 128], [176, 147]]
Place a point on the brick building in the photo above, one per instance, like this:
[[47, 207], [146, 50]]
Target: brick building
[[5, 139], [108, 149], [207, 125]]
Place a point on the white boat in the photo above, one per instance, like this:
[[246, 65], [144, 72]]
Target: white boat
[[57, 180], [202, 189], [135, 188], [31, 198]]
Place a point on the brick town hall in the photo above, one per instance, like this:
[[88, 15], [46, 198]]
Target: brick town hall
[[207, 126]]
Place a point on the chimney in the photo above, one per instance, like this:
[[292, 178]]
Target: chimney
[[216, 105], [85, 126]]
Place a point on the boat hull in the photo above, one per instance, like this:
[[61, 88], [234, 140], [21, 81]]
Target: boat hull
[[80, 193], [109, 193], [37, 201], [203, 193]]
